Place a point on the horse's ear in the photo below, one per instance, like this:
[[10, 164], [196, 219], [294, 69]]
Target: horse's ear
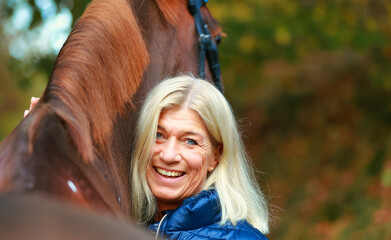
[[213, 25]]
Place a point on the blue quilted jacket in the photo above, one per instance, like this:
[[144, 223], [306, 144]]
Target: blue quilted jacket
[[198, 218]]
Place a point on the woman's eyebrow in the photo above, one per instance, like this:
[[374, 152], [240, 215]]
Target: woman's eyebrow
[[193, 133]]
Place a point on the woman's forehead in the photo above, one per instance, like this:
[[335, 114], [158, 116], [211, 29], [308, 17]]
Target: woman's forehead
[[181, 116]]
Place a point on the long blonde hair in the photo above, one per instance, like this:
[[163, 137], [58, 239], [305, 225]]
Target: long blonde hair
[[233, 179]]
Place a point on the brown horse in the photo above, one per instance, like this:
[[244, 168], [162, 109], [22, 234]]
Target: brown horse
[[75, 145]]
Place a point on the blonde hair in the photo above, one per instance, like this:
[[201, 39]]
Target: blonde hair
[[233, 179]]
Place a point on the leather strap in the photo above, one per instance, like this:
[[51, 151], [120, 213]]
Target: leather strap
[[207, 48]]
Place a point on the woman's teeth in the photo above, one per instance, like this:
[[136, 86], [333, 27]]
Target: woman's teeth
[[169, 173]]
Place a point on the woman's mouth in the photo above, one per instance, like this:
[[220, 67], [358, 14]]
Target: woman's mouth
[[167, 173]]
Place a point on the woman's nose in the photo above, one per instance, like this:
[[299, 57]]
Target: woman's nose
[[170, 151]]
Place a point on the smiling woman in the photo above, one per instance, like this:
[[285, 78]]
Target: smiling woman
[[191, 177], [181, 157]]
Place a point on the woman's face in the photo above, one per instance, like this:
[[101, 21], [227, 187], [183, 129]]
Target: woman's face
[[181, 157]]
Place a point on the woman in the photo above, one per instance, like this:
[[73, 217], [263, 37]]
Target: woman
[[191, 177]]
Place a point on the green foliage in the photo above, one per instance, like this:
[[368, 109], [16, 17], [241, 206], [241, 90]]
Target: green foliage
[[310, 82], [376, 164], [313, 80]]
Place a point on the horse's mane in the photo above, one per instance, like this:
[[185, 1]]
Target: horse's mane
[[169, 9], [96, 73]]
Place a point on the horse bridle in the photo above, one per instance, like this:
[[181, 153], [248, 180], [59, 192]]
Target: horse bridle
[[207, 48]]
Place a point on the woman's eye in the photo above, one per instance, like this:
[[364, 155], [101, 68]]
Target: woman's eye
[[191, 141], [159, 135]]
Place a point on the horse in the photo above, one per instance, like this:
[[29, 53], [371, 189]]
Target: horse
[[75, 145]]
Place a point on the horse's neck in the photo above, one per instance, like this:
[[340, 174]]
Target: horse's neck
[[83, 133], [96, 74]]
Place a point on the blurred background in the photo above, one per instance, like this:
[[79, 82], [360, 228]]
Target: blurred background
[[309, 81]]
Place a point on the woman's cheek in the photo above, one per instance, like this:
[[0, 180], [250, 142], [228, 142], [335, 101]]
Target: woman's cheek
[[155, 149], [195, 159]]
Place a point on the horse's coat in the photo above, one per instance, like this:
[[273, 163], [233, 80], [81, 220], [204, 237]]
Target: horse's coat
[[32, 217], [75, 145]]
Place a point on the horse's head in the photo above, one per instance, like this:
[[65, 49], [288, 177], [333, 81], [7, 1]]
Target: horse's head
[[76, 143]]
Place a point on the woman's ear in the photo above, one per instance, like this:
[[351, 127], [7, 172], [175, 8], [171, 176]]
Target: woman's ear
[[216, 160]]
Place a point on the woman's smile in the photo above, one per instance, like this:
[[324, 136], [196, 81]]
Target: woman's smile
[[169, 173]]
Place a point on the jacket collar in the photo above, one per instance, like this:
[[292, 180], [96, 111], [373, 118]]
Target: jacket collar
[[198, 211]]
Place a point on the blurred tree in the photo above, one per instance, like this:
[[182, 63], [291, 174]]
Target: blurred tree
[[311, 79], [32, 33]]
